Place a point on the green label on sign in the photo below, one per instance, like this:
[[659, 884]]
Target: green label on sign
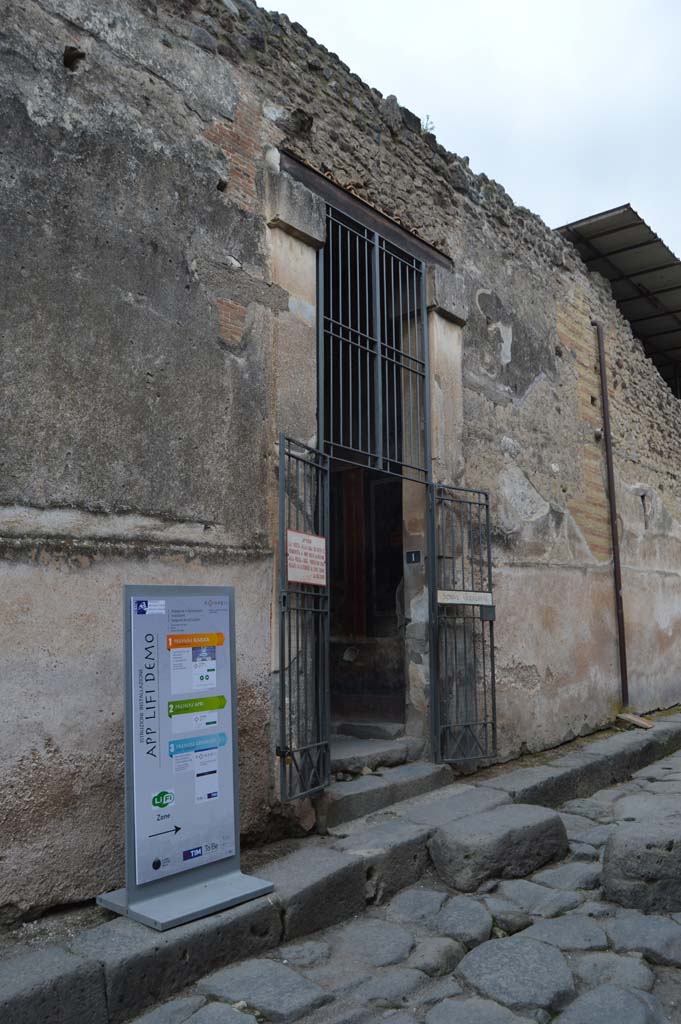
[[193, 704], [163, 799]]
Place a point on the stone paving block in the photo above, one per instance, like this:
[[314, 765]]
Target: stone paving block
[[351, 754], [338, 977], [642, 866], [507, 915], [537, 899], [437, 956], [646, 806], [52, 985], [372, 941], [524, 785], [666, 735], [575, 824], [394, 853], [575, 875], [317, 887], [434, 992], [273, 989], [344, 801], [419, 906], [583, 852], [609, 1004], [597, 811], [658, 938], [508, 842], [472, 1011], [667, 991], [465, 920], [304, 954], [572, 932], [668, 787], [596, 836], [220, 1013], [597, 908], [593, 969], [177, 1011], [391, 987], [454, 806], [519, 973], [396, 1017], [142, 966], [625, 752]]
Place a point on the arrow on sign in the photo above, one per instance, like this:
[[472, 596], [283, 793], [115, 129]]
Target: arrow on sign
[[176, 829]]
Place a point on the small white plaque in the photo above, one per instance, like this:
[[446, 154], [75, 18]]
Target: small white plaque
[[305, 558]]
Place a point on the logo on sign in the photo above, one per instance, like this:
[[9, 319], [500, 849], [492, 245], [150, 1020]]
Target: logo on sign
[[163, 799], [141, 607], [197, 851]]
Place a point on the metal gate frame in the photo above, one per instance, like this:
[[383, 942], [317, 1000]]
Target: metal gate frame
[[353, 331], [392, 391], [304, 724], [462, 613]]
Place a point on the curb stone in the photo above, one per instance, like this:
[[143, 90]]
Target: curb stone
[[111, 973]]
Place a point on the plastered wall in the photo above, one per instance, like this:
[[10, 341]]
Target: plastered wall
[[157, 331]]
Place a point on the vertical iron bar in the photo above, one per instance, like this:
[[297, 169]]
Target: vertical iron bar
[[332, 343], [489, 544], [433, 637], [321, 361], [282, 616], [358, 351], [341, 338], [367, 344], [378, 381]]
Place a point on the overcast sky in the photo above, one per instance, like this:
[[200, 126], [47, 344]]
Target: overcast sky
[[574, 106]]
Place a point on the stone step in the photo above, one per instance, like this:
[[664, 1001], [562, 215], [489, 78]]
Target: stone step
[[349, 754], [344, 801], [366, 730]]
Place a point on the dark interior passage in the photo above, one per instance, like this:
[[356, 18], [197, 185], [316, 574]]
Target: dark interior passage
[[367, 618]]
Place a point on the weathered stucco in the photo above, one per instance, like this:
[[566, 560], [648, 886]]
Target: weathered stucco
[[158, 330]]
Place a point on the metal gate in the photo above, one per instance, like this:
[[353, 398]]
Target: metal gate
[[303, 747], [372, 351], [463, 707]]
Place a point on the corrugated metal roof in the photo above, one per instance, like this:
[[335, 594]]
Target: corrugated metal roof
[[645, 277]]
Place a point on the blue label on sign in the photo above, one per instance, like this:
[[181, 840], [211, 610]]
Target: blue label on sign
[[216, 739], [192, 854]]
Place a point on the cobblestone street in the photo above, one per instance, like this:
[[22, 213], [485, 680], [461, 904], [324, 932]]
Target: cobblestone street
[[553, 946]]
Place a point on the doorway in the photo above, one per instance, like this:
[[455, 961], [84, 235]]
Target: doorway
[[367, 648]]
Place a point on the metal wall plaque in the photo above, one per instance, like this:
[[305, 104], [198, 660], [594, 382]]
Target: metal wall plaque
[[182, 794]]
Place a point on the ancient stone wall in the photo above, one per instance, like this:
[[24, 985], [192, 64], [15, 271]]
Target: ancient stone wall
[[151, 321]]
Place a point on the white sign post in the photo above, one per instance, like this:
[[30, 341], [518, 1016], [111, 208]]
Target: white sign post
[[182, 792]]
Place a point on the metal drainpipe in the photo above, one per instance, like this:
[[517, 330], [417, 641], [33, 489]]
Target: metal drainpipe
[[612, 501]]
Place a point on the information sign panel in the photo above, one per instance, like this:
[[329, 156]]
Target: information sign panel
[[305, 558], [181, 758]]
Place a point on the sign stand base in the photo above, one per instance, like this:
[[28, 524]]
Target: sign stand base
[[191, 901]]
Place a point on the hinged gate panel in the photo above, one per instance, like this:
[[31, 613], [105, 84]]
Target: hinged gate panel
[[303, 747], [462, 625]]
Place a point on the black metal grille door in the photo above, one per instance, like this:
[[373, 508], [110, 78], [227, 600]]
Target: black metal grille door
[[373, 383], [462, 625], [303, 747]]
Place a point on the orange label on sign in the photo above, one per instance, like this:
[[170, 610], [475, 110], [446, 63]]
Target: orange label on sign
[[174, 640]]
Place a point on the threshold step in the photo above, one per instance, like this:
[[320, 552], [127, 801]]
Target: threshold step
[[345, 801], [364, 729], [349, 754]]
